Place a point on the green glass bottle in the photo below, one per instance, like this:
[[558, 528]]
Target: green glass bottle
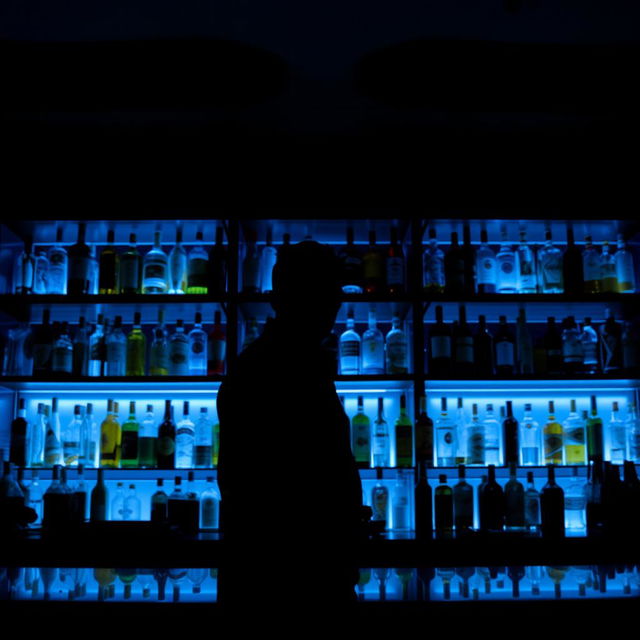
[[130, 268], [404, 436], [444, 509], [136, 349], [595, 443], [361, 437], [129, 457]]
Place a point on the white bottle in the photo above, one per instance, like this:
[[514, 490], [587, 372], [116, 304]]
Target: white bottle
[[178, 266], [185, 440], [117, 504], [350, 344], [209, 506], [396, 348], [372, 348], [131, 509], [197, 348]]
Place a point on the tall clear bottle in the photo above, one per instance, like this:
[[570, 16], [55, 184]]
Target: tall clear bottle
[[71, 438], [553, 438], [608, 274], [492, 430], [625, 270], [446, 441], [89, 439], [210, 506], [611, 344], [53, 438], [62, 352], [197, 348], [350, 344], [574, 436], [58, 266], [179, 351], [148, 437], [618, 436], [81, 349], [575, 502], [381, 446], [525, 344], [372, 347], [486, 265], [97, 349], [155, 268], [198, 268], [527, 276], [116, 350], [589, 341], [130, 268], [203, 440], [178, 266], [37, 435], [136, 349], [530, 439], [397, 350], [159, 348], [185, 440], [41, 272], [633, 432], [507, 280], [550, 261], [572, 266], [433, 266], [475, 439], [592, 267]]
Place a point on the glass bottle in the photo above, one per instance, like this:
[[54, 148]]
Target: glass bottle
[[572, 351], [404, 436], [461, 439], [159, 504], [71, 438], [373, 266], [131, 507], [58, 266], [400, 504], [179, 351], [553, 436], [136, 347], [111, 437], [475, 439], [116, 344], [52, 442], [572, 266], [530, 437], [380, 500], [423, 504], [155, 268], [117, 503], [197, 348], [514, 502], [130, 450], [424, 434], [203, 442], [210, 506], [62, 353], [610, 344], [81, 349], [507, 280], [469, 259], [492, 430], [552, 507], [463, 344], [505, 349], [486, 265], [575, 504], [37, 435], [147, 440], [625, 270], [99, 500], [397, 352], [217, 346], [394, 267], [525, 345], [531, 505], [553, 347], [574, 435], [94, 269], [34, 500], [510, 437], [108, 280], [89, 439], [25, 270], [166, 443], [550, 261], [491, 502], [462, 503], [446, 444], [608, 274], [443, 503], [595, 436], [589, 341], [633, 431], [381, 449], [18, 451], [527, 277], [40, 272], [440, 347], [454, 267], [372, 347], [433, 266], [218, 264], [618, 435], [19, 352], [591, 266], [97, 349], [350, 348], [198, 268], [178, 266], [351, 265], [79, 264], [483, 350], [268, 258], [251, 265], [361, 436], [130, 275], [159, 348], [185, 440], [57, 503]]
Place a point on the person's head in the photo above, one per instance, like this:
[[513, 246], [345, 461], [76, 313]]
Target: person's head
[[306, 288]]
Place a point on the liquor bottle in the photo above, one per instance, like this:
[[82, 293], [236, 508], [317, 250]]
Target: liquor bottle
[[591, 267], [58, 266], [530, 438], [454, 268], [24, 270], [397, 351], [462, 504], [79, 498], [572, 351], [179, 351], [610, 344], [552, 507], [433, 269], [215, 451], [404, 436], [361, 437], [52, 442], [553, 347], [268, 257], [185, 440], [446, 442], [575, 504], [608, 278], [159, 348], [507, 280], [625, 271], [18, 453], [79, 259], [166, 443], [373, 267], [483, 351], [99, 500], [491, 503], [57, 503], [117, 504], [81, 350], [198, 268], [550, 261], [486, 265], [351, 265], [531, 505], [631, 496], [633, 431], [62, 352], [572, 266], [251, 264], [589, 341], [475, 439], [526, 260], [71, 438], [178, 266], [595, 436], [395, 264], [350, 348], [217, 345], [594, 494], [423, 504], [463, 345], [209, 507], [89, 439], [130, 268], [552, 435], [116, 347], [130, 452], [131, 506], [525, 345], [147, 440], [443, 498], [98, 349], [218, 264], [440, 361], [400, 503], [136, 348], [492, 429], [461, 428], [380, 500], [505, 349], [197, 348], [37, 437], [510, 437], [618, 435], [159, 504], [94, 269], [34, 499], [381, 448], [18, 351], [424, 435], [372, 347], [155, 268], [514, 502], [574, 435], [43, 345], [108, 282], [40, 272], [111, 437], [203, 442], [469, 258]]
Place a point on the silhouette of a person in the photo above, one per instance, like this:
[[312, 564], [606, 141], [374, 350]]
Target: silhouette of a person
[[291, 493]]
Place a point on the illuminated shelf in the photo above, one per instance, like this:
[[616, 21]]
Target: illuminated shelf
[[160, 298], [344, 297], [110, 379], [537, 377], [528, 297]]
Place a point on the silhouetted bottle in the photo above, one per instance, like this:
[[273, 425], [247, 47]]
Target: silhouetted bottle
[[552, 506], [440, 346], [79, 257], [514, 496], [57, 503], [218, 265], [515, 575], [159, 503], [572, 269], [18, 450], [595, 512], [491, 503], [631, 488], [99, 500], [454, 268], [469, 258], [373, 267], [166, 443], [395, 264], [510, 436], [423, 435], [553, 347], [483, 350], [505, 349], [462, 504], [423, 504], [444, 508], [351, 265], [463, 345]]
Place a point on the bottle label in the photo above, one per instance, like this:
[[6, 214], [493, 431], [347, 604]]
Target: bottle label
[[372, 265], [209, 511], [572, 348], [62, 360], [552, 270], [440, 347], [129, 449], [610, 347], [507, 265], [475, 446], [179, 353], [486, 271], [129, 276], [397, 356], [197, 346], [155, 271], [553, 446], [379, 445], [116, 352], [433, 271], [41, 356], [350, 348], [576, 436], [159, 357], [395, 271], [504, 353], [464, 350]]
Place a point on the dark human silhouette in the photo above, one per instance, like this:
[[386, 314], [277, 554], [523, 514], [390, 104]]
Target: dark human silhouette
[[291, 509]]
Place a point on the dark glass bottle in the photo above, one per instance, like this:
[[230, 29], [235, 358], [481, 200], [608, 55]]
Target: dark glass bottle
[[552, 506], [424, 435], [572, 268], [109, 276], [351, 265], [57, 503], [444, 508], [463, 345], [454, 268], [43, 339], [218, 265], [99, 500], [505, 349], [462, 504], [395, 271], [553, 347], [373, 267], [18, 450], [593, 489], [130, 278], [595, 434], [483, 352], [611, 344], [514, 502], [159, 502], [79, 262], [491, 503], [631, 490], [613, 500], [166, 443], [510, 436], [469, 258], [515, 575], [440, 351]]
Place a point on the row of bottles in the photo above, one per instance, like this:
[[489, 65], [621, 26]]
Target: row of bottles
[[41, 441], [569, 349], [466, 270], [105, 349], [78, 270]]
